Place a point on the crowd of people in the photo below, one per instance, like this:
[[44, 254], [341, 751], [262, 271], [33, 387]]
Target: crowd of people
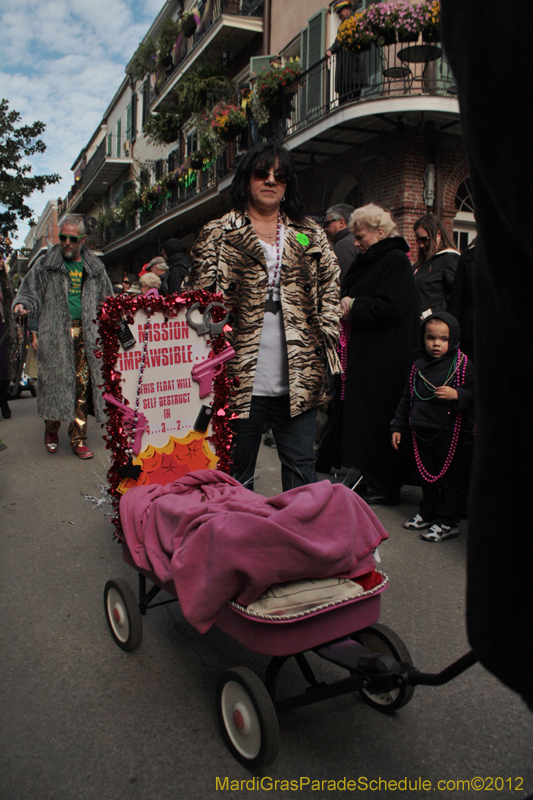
[[312, 310]]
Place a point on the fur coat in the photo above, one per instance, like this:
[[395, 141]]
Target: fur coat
[[44, 291], [228, 258]]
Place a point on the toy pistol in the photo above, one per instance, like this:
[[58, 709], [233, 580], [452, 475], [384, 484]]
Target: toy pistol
[[128, 421], [206, 370]]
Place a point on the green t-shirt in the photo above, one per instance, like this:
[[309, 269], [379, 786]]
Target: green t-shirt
[[75, 269]]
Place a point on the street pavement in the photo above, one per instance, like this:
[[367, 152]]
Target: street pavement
[[82, 720]]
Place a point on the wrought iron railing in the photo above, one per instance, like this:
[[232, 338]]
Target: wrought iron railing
[[398, 70], [201, 181]]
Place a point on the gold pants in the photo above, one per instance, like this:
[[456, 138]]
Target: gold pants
[[78, 427]]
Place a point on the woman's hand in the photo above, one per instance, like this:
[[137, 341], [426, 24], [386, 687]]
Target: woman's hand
[[34, 340], [446, 393], [345, 307], [396, 439]]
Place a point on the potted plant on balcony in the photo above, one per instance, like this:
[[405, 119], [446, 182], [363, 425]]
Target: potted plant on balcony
[[197, 159], [355, 34], [271, 84], [431, 24], [144, 60], [188, 24], [162, 127], [228, 121], [380, 19], [408, 22], [166, 41]]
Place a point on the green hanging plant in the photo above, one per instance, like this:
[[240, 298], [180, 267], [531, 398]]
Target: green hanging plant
[[144, 60], [167, 39], [162, 127]]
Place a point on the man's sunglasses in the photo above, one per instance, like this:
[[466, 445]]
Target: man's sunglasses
[[261, 174], [63, 238]]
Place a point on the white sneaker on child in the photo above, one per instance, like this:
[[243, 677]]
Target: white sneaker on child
[[438, 532]]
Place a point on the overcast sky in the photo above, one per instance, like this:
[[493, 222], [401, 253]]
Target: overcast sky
[[61, 62]]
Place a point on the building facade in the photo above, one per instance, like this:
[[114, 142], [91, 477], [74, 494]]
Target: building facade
[[381, 125]]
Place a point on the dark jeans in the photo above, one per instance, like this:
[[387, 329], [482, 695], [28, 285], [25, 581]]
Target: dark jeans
[[295, 438], [442, 501]]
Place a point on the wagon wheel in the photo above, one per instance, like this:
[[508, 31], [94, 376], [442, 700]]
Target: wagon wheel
[[247, 717], [123, 614], [380, 639]]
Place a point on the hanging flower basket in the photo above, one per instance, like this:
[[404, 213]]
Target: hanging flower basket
[[272, 84], [431, 26], [291, 88], [188, 25], [355, 35], [228, 121], [405, 37], [197, 160]]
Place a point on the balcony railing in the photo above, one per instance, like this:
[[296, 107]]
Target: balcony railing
[[203, 181], [399, 70]]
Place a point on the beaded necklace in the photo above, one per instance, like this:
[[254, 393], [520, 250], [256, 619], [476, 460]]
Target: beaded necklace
[[344, 341], [271, 304], [454, 366], [459, 375]]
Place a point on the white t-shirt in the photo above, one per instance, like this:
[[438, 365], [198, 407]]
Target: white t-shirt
[[272, 372]]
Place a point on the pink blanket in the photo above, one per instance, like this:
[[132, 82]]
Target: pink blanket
[[218, 541]]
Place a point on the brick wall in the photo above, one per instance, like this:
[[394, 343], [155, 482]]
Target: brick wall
[[390, 172]]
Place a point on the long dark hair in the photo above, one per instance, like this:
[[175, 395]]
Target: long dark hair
[[433, 225], [265, 155]]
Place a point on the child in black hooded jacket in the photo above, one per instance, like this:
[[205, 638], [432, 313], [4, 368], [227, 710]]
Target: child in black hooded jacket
[[437, 409]]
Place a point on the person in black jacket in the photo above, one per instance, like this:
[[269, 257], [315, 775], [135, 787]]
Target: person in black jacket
[[350, 75], [434, 410], [178, 265], [379, 302], [436, 264]]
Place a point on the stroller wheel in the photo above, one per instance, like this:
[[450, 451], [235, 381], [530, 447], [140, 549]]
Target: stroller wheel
[[123, 614], [247, 717], [380, 639]]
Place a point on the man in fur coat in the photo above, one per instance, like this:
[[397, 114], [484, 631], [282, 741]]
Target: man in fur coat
[[65, 287]]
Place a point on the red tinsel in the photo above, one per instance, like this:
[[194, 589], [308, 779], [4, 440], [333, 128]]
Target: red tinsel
[[124, 307]]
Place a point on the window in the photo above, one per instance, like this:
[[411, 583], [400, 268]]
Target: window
[[119, 137]]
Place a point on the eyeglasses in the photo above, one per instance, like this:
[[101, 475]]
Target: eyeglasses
[[261, 174], [422, 239], [63, 238]]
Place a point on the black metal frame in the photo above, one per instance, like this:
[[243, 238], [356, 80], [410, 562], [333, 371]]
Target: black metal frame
[[369, 671]]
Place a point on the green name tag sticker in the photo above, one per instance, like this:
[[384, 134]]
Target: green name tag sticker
[[303, 239]]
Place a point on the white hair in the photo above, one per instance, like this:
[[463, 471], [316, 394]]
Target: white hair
[[373, 217]]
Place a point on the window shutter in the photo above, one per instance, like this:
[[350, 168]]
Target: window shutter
[[128, 122], [119, 137], [312, 51], [257, 63], [109, 144], [133, 116]]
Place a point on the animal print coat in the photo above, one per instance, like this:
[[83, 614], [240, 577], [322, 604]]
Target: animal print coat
[[228, 258]]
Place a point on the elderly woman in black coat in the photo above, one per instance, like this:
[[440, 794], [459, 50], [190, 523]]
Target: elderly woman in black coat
[[379, 301]]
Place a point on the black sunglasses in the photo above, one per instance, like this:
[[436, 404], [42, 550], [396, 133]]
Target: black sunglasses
[[63, 238], [422, 239], [261, 174]]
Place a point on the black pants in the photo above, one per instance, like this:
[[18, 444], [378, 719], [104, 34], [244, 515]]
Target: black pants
[[442, 501]]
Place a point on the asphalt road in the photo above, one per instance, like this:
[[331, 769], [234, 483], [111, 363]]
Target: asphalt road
[[82, 720]]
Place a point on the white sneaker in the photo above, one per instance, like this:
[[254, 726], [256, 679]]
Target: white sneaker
[[416, 523], [439, 532]]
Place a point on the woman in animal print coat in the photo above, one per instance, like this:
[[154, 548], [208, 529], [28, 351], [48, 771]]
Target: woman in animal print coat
[[280, 279]]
